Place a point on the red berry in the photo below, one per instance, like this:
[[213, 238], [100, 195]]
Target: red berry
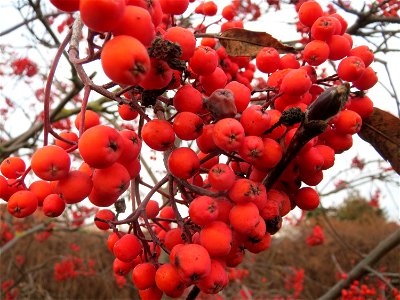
[[203, 61], [296, 83], [143, 276], [244, 217], [152, 209], [347, 122], [367, 79], [158, 134], [184, 38], [183, 163], [125, 60], [267, 60], [50, 163], [309, 12], [188, 126], [91, 119], [323, 28], [100, 146], [53, 205], [66, 5], [22, 204], [307, 198], [101, 15], [361, 105], [216, 80], [127, 248], [228, 134], [351, 68], [339, 47], [221, 177], [193, 263], [158, 77], [241, 93], [104, 214], [316, 52], [12, 167], [216, 237], [136, 22], [174, 7], [363, 52], [203, 210], [187, 98]]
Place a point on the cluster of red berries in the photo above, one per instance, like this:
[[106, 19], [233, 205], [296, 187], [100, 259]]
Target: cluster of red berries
[[317, 237], [10, 291], [357, 163], [294, 283], [230, 209], [24, 67], [238, 274], [374, 201], [120, 280], [388, 8], [45, 234], [65, 24], [6, 234], [72, 267], [329, 40], [370, 289], [20, 260]]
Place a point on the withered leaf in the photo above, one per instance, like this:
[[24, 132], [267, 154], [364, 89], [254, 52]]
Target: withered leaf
[[242, 42], [382, 131]]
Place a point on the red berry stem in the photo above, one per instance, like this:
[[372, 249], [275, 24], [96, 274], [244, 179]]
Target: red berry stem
[[266, 89], [210, 156], [50, 77], [332, 78], [142, 206], [22, 178], [196, 189], [155, 221], [83, 109], [133, 191], [154, 237], [178, 216], [108, 222], [270, 100], [186, 194], [146, 247], [164, 219], [162, 193]]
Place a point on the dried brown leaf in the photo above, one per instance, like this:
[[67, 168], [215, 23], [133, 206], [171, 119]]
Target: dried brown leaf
[[382, 131], [242, 42]]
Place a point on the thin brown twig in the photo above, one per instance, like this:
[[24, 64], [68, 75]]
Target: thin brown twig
[[27, 21]]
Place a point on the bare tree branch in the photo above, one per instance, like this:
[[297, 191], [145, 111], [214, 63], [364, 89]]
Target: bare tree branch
[[30, 231], [385, 246], [27, 21]]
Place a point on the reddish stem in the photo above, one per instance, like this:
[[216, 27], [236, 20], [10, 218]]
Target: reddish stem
[[47, 90], [83, 109], [142, 206]]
